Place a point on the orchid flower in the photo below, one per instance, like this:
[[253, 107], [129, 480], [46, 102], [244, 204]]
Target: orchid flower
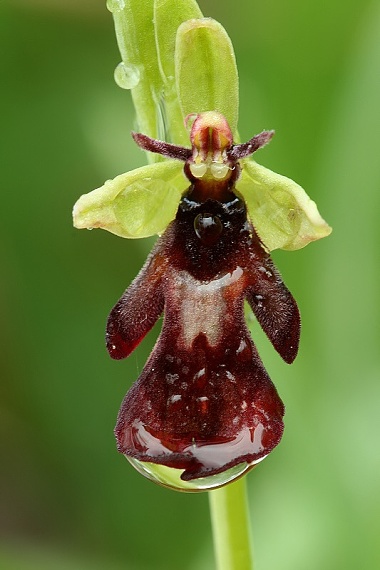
[[203, 406]]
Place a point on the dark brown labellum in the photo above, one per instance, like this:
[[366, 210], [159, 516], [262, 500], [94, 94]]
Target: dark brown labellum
[[204, 401]]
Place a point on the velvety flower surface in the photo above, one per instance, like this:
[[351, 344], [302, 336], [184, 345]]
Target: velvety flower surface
[[204, 402]]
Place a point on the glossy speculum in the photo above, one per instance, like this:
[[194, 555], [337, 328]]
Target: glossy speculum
[[204, 402]]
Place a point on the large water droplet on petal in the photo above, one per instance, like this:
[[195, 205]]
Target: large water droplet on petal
[[115, 5], [171, 478], [127, 76]]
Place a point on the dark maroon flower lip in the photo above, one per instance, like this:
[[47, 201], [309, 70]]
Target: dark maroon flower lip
[[204, 402]]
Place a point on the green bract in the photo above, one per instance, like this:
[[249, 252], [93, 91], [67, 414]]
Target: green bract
[[182, 64]]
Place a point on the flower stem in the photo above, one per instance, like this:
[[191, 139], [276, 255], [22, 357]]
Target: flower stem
[[231, 527]]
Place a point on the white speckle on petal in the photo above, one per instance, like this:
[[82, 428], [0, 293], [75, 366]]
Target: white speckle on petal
[[171, 378], [230, 376], [174, 399]]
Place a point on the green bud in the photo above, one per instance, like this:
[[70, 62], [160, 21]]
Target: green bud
[[146, 33], [168, 16]]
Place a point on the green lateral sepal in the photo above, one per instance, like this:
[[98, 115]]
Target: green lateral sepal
[[282, 213], [136, 204]]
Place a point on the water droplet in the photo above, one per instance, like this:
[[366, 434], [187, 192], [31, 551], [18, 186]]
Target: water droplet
[[208, 228], [127, 76], [184, 465], [115, 5], [171, 478]]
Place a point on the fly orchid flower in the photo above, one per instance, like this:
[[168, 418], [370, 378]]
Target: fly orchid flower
[[203, 407], [204, 402]]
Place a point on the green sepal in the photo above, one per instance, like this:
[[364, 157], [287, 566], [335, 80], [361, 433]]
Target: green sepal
[[282, 213], [206, 72], [136, 204]]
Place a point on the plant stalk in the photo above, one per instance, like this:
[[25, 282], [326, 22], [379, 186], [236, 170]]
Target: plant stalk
[[231, 527]]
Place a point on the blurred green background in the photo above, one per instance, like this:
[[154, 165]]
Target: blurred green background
[[310, 70]]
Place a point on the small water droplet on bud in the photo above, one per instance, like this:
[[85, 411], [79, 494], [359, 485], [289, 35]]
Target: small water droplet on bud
[[127, 76]]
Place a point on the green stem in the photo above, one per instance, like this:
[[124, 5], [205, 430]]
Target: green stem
[[231, 527]]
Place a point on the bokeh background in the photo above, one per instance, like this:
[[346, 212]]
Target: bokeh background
[[310, 70]]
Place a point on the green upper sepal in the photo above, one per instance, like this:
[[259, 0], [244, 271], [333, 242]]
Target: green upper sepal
[[205, 70], [282, 213], [136, 204]]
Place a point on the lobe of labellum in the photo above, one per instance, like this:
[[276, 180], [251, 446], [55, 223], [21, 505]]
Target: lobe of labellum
[[276, 311], [138, 309]]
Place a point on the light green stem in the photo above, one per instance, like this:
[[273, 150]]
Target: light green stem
[[231, 527]]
